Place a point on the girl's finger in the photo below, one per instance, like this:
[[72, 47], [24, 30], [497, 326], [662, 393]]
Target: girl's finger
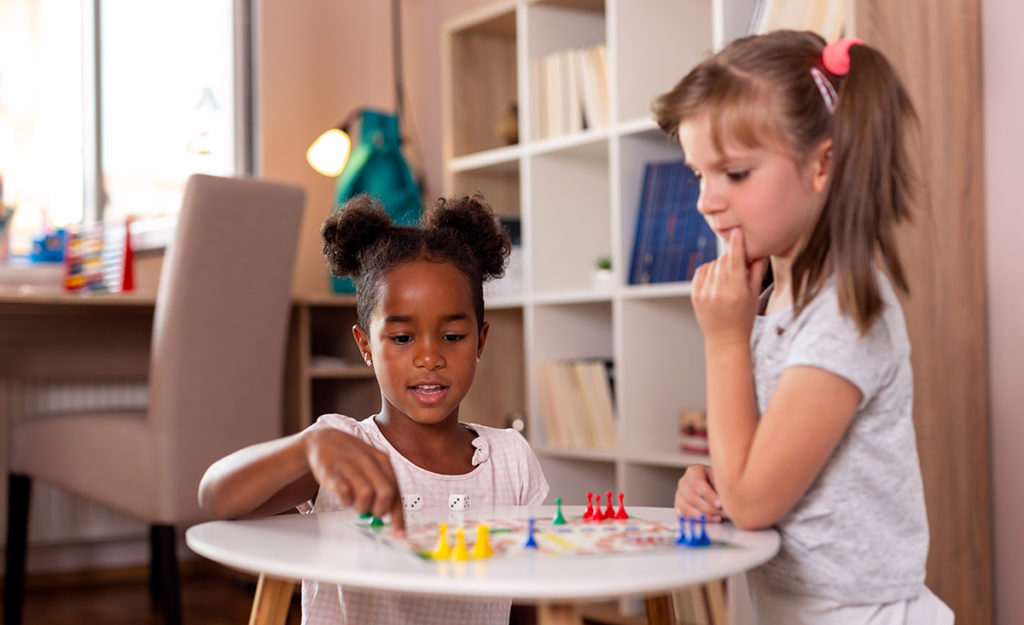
[[738, 256]]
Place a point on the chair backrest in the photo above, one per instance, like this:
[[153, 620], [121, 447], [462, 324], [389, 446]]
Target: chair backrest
[[220, 329]]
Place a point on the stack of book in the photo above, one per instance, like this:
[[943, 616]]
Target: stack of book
[[672, 239], [569, 91], [576, 402]]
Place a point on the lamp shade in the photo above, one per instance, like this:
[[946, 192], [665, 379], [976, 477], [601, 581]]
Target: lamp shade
[[329, 152]]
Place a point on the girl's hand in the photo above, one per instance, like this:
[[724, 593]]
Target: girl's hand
[[359, 474], [696, 494], [725, 293]]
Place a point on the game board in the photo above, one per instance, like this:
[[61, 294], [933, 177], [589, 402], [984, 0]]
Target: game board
[[507, 536]]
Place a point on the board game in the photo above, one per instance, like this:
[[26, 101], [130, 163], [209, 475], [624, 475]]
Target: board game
[[506, 537]]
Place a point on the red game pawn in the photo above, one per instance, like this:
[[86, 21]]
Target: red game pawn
[[609, 512], [621, 513], [589, 513], [598, 515]]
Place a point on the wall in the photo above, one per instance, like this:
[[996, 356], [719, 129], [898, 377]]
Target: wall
[[1003, 92], [317, 61]]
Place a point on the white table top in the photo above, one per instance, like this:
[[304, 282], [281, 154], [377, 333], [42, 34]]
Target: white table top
[[329, 547]]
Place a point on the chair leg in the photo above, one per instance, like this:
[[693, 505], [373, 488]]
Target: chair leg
[[164, 585], [19, 491]]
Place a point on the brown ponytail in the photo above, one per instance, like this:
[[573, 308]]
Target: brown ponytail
[[869, 193]]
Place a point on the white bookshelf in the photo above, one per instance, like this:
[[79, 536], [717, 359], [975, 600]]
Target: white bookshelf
[[577, 196]]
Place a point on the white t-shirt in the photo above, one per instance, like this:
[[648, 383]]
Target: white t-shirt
[[506, 472], [859, 535]]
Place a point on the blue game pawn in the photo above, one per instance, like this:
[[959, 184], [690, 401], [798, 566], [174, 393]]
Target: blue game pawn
[[692, 540], [702, 540], [681, 538], [531, 542]]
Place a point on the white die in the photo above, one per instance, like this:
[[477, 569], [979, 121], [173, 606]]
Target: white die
[[458, 502], [412, 502]]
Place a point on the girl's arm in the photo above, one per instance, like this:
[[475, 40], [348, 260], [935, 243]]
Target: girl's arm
[[259, 480], [275, 476], [762, 467]]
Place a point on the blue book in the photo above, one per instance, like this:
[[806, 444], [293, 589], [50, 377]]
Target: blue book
[[672, 237]]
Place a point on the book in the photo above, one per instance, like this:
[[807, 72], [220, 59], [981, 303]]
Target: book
[[577, 404], [672, 238]]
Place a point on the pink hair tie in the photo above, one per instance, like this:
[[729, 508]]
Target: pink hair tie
[[836, 55]]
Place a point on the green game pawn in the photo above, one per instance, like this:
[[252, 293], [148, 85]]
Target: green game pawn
[[559, 519], [375, 522], [365, 515]]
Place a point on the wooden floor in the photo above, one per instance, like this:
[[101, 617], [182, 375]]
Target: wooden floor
[[210, 596]]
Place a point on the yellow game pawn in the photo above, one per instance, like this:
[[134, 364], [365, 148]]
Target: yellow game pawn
[[443, 549], [482, 546], [460, 553]]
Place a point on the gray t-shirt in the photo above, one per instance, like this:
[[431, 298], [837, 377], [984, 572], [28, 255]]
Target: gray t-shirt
[[860, 533]]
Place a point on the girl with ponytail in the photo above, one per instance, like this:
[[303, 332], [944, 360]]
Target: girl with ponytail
[[421, 328], [801, 153]]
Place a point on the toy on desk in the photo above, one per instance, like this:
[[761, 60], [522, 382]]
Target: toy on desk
[[99, 258]]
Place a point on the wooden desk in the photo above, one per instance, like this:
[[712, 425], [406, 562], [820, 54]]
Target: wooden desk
[[328, 547]]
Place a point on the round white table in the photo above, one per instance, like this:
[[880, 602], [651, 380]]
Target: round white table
[[329, 547]]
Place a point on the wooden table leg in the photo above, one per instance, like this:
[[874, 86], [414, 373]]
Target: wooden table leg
[[272, 602], [557, 614], [659, 610]]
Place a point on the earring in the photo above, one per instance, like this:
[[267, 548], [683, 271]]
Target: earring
[[369, 362], [478, 359]]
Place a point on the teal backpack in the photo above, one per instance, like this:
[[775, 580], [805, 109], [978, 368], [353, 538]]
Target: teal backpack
[[376, 166]]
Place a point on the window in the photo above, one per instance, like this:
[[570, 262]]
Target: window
[[107, 106]]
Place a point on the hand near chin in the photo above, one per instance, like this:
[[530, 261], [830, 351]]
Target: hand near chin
[[726, 291], [359, 474]]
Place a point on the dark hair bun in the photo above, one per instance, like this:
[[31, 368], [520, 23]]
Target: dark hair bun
[[358, 224], [473, 221]]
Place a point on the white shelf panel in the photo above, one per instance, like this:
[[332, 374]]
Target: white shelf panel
[[638, 125], [599, 455], [678, 460], [660, 289], [570, 297], [592, 142], [504, 159]]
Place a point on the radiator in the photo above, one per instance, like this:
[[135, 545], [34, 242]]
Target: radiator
[[57, 516]]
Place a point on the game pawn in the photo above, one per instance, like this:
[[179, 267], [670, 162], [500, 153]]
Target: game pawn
[[559, 519], [702, 539], [609, 512], [443, 550], [531, 540], [482, 546], [460, 552], [598, 515], [588, 514], [682, 538], [620, 514]]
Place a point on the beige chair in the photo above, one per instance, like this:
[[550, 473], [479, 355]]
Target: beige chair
[[215, 380]]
